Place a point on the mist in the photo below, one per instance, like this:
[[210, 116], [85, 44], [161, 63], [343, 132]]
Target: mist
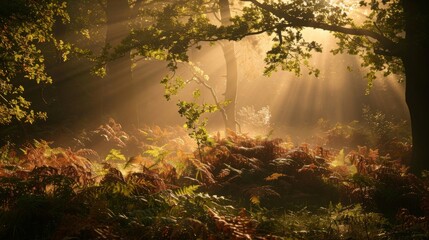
[[213, 120]]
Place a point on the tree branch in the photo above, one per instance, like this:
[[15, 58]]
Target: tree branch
[[214, 95], [387, 43], [275, 27]]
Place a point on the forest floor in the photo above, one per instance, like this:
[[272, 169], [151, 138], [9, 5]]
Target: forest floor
[[154, 183]]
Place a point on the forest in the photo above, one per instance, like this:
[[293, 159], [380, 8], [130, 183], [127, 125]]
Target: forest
[[214, 119]]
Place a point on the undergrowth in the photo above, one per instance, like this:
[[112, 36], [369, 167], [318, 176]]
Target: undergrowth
[[153, 183]]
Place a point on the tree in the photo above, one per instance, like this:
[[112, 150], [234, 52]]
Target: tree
[[231, 69], [414, 49], [392, 39], [228, 47], [25, 26]]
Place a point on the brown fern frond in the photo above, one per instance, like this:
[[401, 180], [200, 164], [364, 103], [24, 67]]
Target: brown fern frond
[[300, 156], [234, 227], [204, 170], [189, 227], [149, 179], [113, 176], [41, 154], [112, 132], [224, 173], [248, 151], [87, 153]]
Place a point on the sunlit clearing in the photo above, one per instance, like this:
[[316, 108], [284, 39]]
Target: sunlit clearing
[[296, 103]]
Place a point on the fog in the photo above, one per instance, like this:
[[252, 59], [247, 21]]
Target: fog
[[282, 104], [295, 104]]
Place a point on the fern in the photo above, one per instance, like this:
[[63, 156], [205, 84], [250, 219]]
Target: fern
[[224, 173], [112, 132], [114, 155], [203, 171], [158, 154], [187, 190]]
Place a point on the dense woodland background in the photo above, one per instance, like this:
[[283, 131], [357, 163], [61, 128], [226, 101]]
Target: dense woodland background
[[202, 119]]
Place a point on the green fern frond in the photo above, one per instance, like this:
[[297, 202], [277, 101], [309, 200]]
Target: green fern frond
[[115, 154], [187, 190]]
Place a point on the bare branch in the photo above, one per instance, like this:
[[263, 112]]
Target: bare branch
[[214, 95]]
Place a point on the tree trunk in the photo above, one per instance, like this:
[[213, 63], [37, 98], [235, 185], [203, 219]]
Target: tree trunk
[[417, 83], [119, 95], [231, 70]]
